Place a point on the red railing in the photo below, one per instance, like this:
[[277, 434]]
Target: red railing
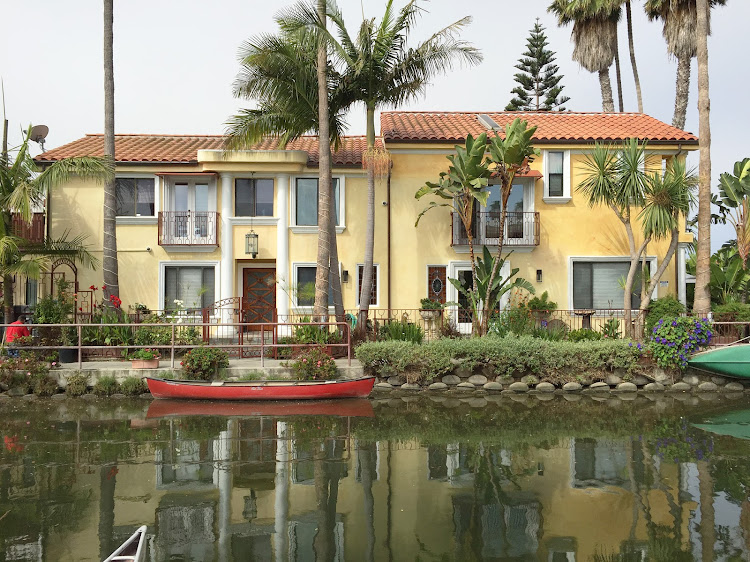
[[521, 229], [34, 232], [188, 228]]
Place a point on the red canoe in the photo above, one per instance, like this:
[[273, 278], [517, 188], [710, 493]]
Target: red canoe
[[345, 407], [260, 390]]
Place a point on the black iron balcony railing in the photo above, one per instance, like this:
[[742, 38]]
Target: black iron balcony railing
[[188, 228], [521, 229]]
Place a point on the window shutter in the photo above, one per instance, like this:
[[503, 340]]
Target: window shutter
[[606, 283]]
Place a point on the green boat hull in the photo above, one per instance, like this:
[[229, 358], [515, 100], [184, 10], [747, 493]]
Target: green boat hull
[[730, 361], [733, 424]]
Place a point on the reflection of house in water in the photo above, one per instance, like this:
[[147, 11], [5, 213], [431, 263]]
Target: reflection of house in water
[[598, 462], [185, 528]]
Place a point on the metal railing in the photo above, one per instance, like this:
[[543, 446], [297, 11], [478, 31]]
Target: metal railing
[[521, 229], [76, 331], [188, 228]]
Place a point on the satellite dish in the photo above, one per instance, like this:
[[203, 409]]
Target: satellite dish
[[38, 134]]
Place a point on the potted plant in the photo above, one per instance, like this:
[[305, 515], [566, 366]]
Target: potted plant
[[431, 309], [541, 306], [145, 358]]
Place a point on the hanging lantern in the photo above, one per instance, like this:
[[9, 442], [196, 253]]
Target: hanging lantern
[[251, 244]]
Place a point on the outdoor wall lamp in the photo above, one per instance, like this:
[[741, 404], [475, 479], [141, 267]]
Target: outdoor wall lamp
[[251, 244], [345, 276], [538, 275]]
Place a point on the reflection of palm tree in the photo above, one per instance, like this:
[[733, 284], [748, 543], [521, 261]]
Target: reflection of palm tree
[[108, 480], [327, 471], [367, 455]]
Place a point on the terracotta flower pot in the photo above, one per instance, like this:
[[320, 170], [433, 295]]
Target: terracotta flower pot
[[144, 363]]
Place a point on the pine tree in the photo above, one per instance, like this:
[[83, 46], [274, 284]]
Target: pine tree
[[538, 88]]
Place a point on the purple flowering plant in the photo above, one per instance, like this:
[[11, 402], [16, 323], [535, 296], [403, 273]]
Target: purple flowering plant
[[673, 340]]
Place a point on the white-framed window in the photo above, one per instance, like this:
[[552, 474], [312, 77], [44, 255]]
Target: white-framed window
[[556, 165], [253, 197], [304, 203], [596, 283], [303, 285], [193, 284], [375, 293], [136, 195]]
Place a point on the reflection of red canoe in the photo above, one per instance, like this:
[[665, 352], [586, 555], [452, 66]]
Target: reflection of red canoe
[[260, 390], [353, 407]]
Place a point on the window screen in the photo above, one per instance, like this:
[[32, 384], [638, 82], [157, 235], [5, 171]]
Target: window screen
[[194, 286], [135, 197], [306, 198], [253, 197], [597, 285]]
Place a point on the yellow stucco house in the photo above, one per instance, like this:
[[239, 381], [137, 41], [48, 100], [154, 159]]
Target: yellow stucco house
[[184, 210]]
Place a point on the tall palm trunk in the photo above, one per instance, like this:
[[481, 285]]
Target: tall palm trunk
[[631, 47], [7, 279], [320, 310], [335, 279], [608, 104], [682, 91], [618, 73], [364, 296], [702, 302], [109, 259]]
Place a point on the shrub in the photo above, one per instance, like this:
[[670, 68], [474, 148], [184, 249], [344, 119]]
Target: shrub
[[45, 385], [542, 303], [732, 312], [611, 328], [314, 364], [515, 320], [401, 331], [106, 386], [133, 386], [663, 308], [584, 334], [554, 361], [77, 384], [203, 363], [673, 342]]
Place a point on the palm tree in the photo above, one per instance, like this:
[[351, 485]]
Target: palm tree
[[21, 188], [702, 301], [323, 268], [668, 200], [594, 37], [631, 48], [380, 70], [613, 178], [680, 22], [280, 72], [109, 258]]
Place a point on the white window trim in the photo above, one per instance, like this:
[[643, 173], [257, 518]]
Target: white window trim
[[180, 263], [566, 196], [652, 261], [171, 181], [149, 219], [376, 272], [247, 219], [308, 229]]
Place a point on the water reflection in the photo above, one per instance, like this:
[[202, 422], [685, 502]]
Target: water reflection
[[554, 481]]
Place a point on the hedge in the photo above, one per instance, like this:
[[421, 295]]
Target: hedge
[[510, 356]]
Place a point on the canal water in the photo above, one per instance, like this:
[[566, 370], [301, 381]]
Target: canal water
[[418, 478]]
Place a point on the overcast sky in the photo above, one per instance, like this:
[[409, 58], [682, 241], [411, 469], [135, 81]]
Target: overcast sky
[[175, 63]]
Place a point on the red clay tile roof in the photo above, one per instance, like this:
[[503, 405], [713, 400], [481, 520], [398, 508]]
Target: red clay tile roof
[[552, 126], [184, 148]]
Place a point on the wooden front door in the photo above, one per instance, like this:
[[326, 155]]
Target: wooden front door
[[259, 292]]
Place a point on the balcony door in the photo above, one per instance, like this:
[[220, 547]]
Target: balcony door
[[190, 205], [488, 223]]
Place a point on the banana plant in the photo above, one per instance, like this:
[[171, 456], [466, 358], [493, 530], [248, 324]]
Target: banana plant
[[485, 283], [734, 190]]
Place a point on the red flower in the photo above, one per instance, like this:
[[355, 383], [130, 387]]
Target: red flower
[[104, 287], [93, 288], [115, 300], [80, 309]]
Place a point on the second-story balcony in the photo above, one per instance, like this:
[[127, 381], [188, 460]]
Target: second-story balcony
[[188, 228], [33, 232], [521, 229]]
